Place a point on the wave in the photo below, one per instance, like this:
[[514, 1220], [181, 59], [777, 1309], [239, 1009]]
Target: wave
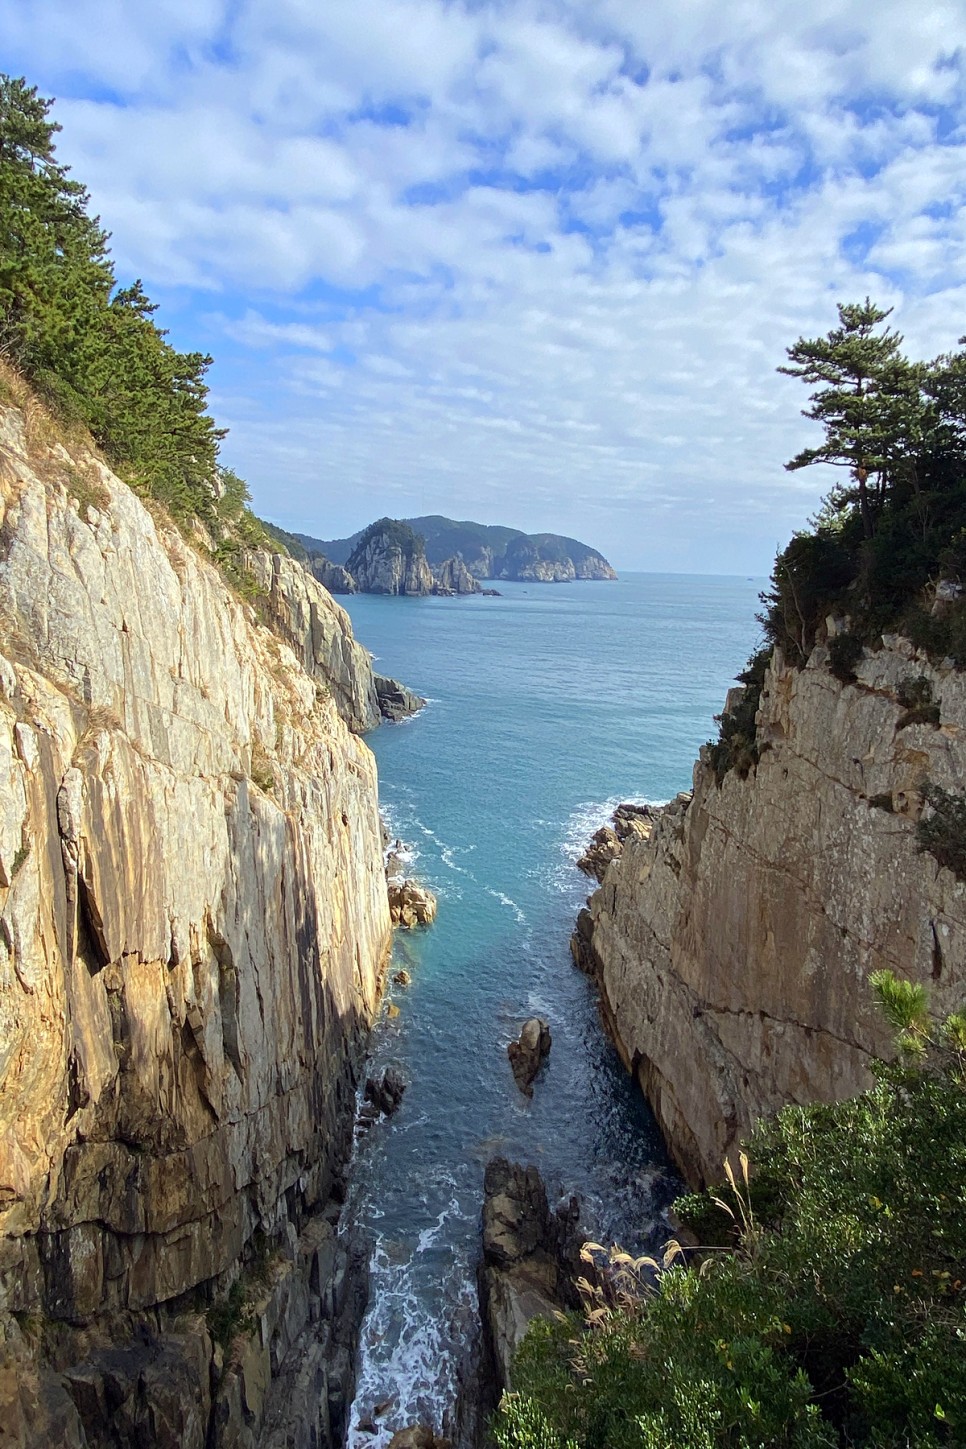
[[510, 904]]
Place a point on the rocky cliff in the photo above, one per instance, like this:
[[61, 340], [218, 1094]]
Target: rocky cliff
[[390, 559], [453, 577], [733, 946], [489, 551], [193, 924]]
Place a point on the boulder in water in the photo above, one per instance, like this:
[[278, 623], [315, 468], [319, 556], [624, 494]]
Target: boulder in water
[[387, 1092], [410, 904], [418, 1436], [528, 1052]]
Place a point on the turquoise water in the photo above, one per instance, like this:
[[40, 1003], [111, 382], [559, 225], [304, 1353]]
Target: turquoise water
[[547, 707]]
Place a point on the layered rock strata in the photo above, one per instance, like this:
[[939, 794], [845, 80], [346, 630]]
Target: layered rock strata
[[193, 927], [733, 947]]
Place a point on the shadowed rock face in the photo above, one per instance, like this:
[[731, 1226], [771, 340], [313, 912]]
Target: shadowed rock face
[[531, 1262], [733, 947], [193, 917]]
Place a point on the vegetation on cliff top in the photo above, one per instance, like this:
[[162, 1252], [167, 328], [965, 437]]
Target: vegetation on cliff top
[[887, 551], [896, 526], [832, 1310], [91, 348]]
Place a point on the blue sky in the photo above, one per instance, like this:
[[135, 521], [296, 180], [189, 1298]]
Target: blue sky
[[531, 263]]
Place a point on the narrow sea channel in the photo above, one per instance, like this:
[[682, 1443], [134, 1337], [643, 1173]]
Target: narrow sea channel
[[547, 707]]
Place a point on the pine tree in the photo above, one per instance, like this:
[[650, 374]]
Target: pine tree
[[868, 399]]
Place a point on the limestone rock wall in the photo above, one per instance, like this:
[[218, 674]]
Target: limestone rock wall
[[193, 913], [733, 947]]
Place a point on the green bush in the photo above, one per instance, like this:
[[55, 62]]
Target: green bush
[[941, 830], [836, 1317], [736, 747]]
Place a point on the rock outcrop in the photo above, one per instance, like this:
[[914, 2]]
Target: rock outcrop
[[396, 702], [410, 903], [390, 559], [608, 842], [529, 1052], [733, 947], [453, 577], [531, 1261], [319, 633], [332, 576], [193, 930]]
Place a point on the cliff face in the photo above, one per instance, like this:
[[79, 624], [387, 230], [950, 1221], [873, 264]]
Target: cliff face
[[390, 559], [453, 577], [733, 947], [193, 922]]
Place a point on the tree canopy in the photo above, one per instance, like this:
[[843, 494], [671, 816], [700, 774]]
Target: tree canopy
[[91, 347], [884, 538]]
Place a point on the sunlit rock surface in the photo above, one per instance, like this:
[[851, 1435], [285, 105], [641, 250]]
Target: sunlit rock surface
[[733, 947], [193, 926]]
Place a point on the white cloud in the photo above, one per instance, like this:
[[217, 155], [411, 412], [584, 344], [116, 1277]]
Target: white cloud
[[405, 323]]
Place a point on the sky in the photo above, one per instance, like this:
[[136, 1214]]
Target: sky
[[528, 263]]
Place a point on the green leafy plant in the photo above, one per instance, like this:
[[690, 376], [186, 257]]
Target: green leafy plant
[[941, 829], [831, 1313]]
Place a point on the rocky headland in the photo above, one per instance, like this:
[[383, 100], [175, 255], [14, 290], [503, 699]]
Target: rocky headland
[[437, 555], [194, 927], [733, 944]]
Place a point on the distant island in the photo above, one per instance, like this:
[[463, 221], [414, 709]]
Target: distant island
[[437, 555]]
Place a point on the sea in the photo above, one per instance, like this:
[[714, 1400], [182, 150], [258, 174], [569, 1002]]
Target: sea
[[546, 708]]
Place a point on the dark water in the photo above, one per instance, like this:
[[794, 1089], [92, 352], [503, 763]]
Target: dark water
[[547, 707]]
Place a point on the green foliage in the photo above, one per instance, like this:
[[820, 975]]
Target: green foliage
[[392, 534], [844, 653], [915, 696], [898, 524], [836, 1317], [736, 747], [92, 350], [941, 830]]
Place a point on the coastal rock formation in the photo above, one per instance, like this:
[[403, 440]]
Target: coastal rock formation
[[608, 842], [411, 904], [489, 551], [193, 930], [390, 559], [319, 633], [453, 577], [531, 1260], [334, 577], [528, 1053], [396, 702], [733, 947]]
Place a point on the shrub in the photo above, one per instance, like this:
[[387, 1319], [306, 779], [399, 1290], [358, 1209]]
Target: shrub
[[844, 653], [942, 828], [837, 1316], [736, 747]]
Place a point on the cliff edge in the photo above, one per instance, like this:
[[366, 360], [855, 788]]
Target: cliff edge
[[193, 927], [732, 948]]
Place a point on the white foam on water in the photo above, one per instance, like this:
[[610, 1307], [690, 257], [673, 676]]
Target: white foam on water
[[576, 834], [510, 904], [408, 1354]]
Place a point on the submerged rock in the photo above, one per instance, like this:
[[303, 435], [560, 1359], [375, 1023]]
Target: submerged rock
[[528, 1052], [410, 904]]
